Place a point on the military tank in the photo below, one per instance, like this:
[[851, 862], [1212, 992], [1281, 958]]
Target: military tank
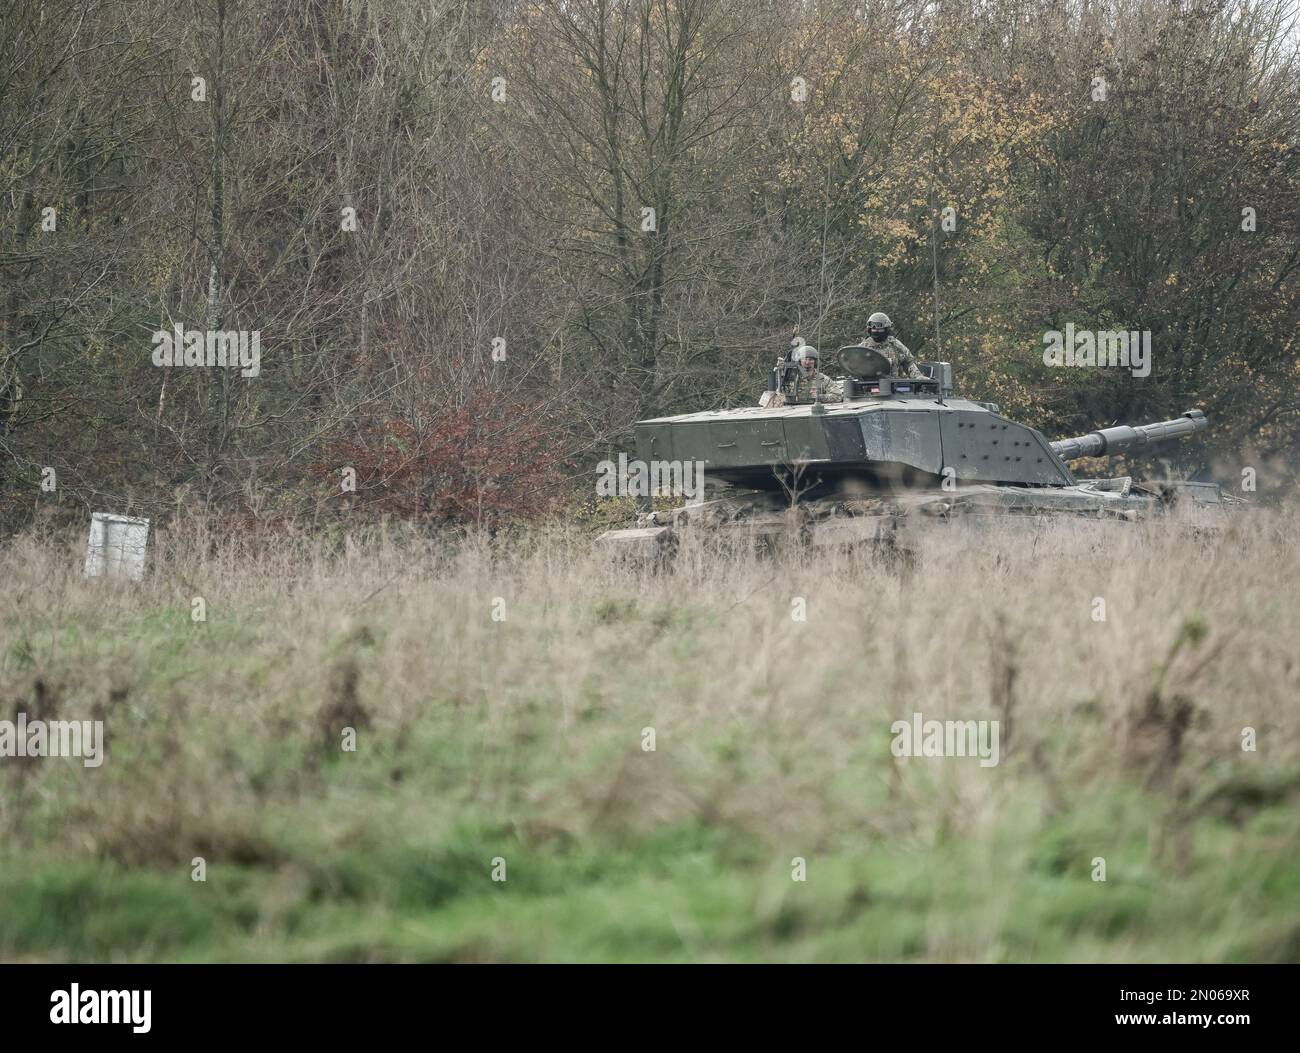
[[893, 449]]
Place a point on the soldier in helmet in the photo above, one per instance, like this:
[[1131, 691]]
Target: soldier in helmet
[[801, 384], [880, 337]]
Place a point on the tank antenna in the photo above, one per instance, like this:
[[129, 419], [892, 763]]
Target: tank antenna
[[934, 245], [822, 307]]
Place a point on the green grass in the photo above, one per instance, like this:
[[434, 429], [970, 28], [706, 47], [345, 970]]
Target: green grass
[[681, 893]]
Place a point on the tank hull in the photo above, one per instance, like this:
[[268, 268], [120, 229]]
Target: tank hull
[[760, 519]]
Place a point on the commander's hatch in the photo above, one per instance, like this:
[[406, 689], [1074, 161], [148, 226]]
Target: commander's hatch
[[863, 363], [868, 374]]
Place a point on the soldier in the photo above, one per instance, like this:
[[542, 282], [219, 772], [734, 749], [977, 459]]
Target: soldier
[[880, 337], [800, 384]]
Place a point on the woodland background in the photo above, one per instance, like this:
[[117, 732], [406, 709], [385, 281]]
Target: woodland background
[[512, 209]]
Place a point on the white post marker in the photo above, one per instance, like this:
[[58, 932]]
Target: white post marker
[[116, 547]]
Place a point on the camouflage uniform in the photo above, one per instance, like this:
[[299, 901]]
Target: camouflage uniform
[[798, 388], [901, 363]]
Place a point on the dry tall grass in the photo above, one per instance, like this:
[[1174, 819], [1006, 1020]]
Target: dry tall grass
[[1121, 739]]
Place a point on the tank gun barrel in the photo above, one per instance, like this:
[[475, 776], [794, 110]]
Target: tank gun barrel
[[1122, 436]]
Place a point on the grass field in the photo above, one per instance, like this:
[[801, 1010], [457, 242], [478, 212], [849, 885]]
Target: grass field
[[500, 694]]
